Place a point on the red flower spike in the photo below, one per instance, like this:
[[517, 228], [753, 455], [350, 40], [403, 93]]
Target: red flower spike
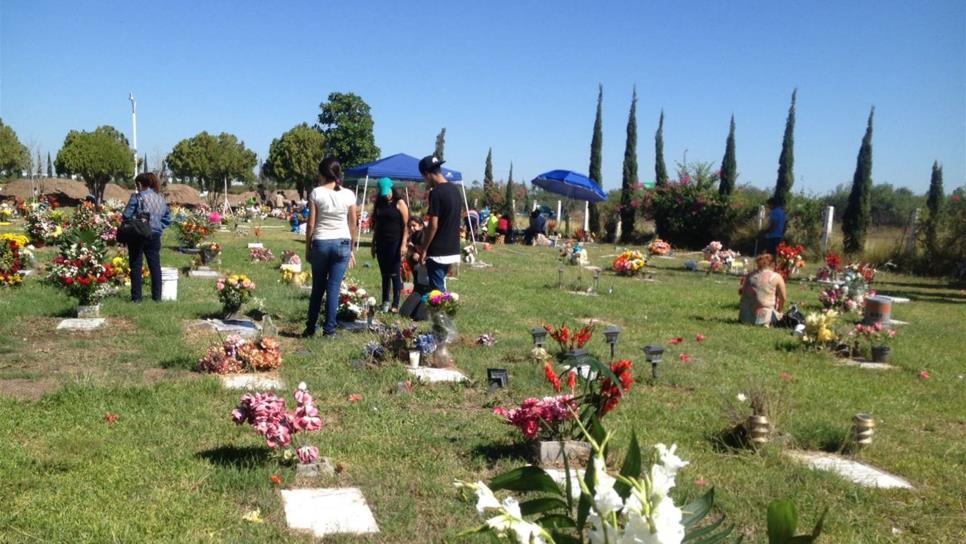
[[676, 340]]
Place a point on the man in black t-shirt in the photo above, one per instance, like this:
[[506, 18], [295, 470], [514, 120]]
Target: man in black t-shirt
[[441, 238]]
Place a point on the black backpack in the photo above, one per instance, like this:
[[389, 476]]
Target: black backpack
[[137, 228]]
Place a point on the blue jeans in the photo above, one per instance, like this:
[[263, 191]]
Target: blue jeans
[[150, 251], [437, 274], [329, 259]]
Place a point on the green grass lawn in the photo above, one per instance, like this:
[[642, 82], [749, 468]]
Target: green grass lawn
[[174, 468]]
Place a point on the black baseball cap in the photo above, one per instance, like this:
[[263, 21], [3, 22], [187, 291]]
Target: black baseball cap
[[429, 164]]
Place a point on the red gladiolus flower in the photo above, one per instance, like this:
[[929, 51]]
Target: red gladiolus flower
[[676, 340], [551, 376], [685, 358], [699, 338], [572, 380]]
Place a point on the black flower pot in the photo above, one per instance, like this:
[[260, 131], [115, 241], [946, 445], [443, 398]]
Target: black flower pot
[[880, 354]]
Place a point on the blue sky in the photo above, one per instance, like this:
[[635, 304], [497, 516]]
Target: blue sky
[[518, 76]]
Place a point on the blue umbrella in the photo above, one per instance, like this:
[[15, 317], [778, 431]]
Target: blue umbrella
[[571, 185]]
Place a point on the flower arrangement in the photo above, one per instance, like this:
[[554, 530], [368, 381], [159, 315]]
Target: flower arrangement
[[122, 270], [397, 340], [102, 221], [209, 252], [222, 359], [6, 213], [261, 255], [266, 414], [570, 341], [42, 226], [790, 259], [79, 269], [574, 253], [445, 302], [833, 266], [290, 276], [215, 218], [353, 301], [540, 417], [11, 259], [720, 259], [629, 263], [192, 230], [234, 291], [425, 343], [821, 329], [849, 292], [659, 247], [290, 257], [865, 337], [375, 351], [261, 355]]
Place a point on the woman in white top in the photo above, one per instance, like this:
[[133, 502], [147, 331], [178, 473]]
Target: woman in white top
[[329, 240]]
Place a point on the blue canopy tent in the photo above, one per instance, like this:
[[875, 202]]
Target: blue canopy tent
[[398, 167], [571, 185]]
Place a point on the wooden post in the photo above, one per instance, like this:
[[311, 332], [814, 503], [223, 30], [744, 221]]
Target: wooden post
[[912, 233], [827, 228]]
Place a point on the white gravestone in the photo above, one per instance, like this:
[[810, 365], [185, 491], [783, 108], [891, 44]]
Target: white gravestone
[[860, 473], [76, 324], [437, 375], [328, 511]]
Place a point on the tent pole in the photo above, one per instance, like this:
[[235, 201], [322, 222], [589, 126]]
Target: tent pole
[[365, 191], [586, 216]]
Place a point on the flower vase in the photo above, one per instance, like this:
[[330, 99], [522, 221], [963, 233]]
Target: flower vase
[[880, 354], [88, 311], [414, 358], [232, 312], [444, 330], [758, 429]]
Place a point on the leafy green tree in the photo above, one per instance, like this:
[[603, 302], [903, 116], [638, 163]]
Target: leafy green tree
[[934, 203], [14, 156], [440, 144], [293, 159], [346, 122], [729, 165], [629, 178], [660, 170], [855, 220], [489, 187], [210, 160], [596, 148], [786, 161], [50, 166], [99, 157]]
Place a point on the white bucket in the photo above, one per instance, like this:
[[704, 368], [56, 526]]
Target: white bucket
[[169, 284]]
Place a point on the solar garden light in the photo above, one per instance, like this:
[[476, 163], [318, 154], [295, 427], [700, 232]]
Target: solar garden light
[[863, 427], [560, 278], [596, 287], [653, 355], [611, 332], [539, 335], [497, 378]]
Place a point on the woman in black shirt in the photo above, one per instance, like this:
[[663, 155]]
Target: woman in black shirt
[[390, 237]]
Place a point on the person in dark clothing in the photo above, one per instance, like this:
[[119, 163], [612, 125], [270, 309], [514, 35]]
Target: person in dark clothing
[[441, 243], [390, 239], [775, 231], [538, 225], [148, 199]]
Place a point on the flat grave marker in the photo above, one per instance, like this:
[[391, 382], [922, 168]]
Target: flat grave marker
[[252, 381], [328, 511], [854, 471], [437, 375], [78, 324]]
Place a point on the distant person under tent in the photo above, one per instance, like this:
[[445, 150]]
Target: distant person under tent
[[538, 225]]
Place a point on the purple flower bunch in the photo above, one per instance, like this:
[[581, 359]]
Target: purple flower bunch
[[266, 413]]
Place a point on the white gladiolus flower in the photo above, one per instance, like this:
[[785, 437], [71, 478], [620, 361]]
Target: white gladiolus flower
[[667, 522], [601, 532], [510, 519], [606, 499], [485, 498]]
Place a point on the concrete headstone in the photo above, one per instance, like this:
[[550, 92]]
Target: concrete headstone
[[77, 324]]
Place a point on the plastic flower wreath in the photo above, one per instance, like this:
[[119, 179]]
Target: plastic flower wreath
[[629, 263]]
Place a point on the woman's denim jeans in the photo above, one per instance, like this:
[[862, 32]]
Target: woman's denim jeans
[[329, 259]]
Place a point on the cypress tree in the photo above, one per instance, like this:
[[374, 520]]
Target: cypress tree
[[509, 193], [729, 166], [629, 179], [50, 166], [786, 161], [934, 203], [596, 145], [440, 144], [488, 188], [855, 220], [144, 165], [660, 170]]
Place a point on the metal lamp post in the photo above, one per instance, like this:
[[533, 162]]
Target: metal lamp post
[[610, 335], [653, 355]]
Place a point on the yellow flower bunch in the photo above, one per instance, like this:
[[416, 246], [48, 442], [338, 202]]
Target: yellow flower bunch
[[20, 239], [293, 277], [820, 329]]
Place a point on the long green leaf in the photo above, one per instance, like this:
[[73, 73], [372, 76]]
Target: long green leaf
[[696, 511], [583, 506], [556, 521], [631, 467], [564, 538], [707, 534], [782, 522], [527, 478], [541, 505]]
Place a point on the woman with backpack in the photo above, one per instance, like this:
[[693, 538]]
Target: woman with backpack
[[147, 201]]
